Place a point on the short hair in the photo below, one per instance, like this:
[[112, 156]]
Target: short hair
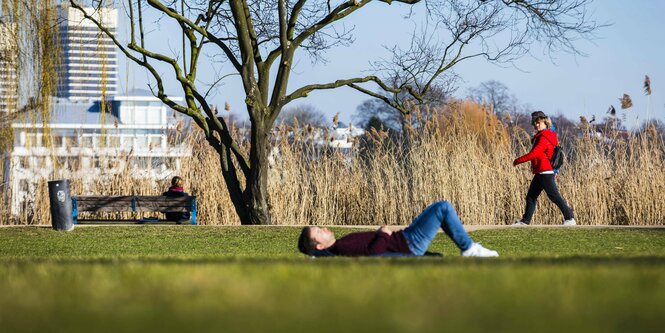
[[176, 181], [306, 244], [546, 120]]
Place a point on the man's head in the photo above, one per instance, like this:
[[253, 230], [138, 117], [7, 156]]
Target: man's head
[[315, 238]]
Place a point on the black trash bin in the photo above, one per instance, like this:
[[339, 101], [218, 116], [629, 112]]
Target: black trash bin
[[61, 205]]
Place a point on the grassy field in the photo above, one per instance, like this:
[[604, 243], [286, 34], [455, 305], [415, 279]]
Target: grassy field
[[233, 279]]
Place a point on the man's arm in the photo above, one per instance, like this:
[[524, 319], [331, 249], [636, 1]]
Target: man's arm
[[385, 230], [380, 242]]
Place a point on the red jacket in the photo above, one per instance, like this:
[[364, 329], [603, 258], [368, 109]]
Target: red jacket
[[541, 153]]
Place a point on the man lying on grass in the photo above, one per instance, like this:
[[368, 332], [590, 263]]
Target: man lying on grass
[[414, 240]]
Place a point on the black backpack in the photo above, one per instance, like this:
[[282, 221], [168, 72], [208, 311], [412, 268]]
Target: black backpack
[[558, 158]]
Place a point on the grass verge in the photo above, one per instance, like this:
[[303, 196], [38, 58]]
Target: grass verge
[[169, 279]]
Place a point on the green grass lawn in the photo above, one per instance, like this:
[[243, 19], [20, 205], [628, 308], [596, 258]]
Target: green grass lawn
[[246, 279]]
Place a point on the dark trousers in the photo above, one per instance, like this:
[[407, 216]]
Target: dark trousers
[[545, 182]]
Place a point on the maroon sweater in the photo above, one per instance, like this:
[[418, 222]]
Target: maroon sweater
[[370, 243]]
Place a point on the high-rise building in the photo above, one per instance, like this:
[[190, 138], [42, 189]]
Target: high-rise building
[[8, 69], [89, 69]]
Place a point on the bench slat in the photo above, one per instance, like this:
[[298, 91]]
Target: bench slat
[[160, 208], [142, 203], [163, 204], [104, 209], [104, 204]]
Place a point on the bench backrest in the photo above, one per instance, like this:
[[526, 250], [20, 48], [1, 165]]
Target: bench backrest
[[129, 203]]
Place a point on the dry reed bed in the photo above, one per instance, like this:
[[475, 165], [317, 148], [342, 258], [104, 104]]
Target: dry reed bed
[[461, 155], [467, 160]]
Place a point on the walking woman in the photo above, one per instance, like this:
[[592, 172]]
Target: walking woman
[[543, 174]]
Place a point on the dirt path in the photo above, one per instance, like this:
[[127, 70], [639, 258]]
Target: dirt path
[[466, 227]]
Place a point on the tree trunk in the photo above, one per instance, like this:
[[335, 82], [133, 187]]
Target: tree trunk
[[251, 204], [233, 185], [256, 191]]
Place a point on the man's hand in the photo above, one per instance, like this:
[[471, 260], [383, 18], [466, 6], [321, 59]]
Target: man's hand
[[384, 229]]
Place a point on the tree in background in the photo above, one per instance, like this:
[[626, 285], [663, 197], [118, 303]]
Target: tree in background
[[655, 126], [304, 114], [566, 129], [260, 40], [375, 112], [496, 96]]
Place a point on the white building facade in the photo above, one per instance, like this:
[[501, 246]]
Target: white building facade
[[85, 144]]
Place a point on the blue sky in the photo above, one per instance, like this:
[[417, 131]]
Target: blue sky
[[616, 63]]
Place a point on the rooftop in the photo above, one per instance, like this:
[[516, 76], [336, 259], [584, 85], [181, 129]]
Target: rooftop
[[87, 112]]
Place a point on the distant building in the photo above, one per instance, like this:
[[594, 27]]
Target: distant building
[[89, 67], [344, 137], [323, 140], [8, 69], [132, 138]]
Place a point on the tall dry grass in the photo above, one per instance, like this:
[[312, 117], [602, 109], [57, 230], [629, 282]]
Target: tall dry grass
[[460, 153]]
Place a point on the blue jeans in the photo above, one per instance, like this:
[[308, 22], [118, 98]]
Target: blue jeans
[[423, 229]]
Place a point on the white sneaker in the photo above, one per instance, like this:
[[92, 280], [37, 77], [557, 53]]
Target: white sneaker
[[570, 222], [477, 250], [520, 222]]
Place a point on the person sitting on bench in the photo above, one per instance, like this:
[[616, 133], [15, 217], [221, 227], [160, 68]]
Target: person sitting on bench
[[176, 190], [414, 240]]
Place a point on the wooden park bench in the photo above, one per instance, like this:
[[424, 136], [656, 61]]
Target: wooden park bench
[[134, 203]]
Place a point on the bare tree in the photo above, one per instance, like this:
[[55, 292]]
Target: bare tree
[[260, 40], [566, 129], [302, 114], [379, 111], [654, 127], [496, 95]]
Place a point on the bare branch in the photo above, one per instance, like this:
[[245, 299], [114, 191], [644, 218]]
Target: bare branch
[[204, 32], [304, 91]]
